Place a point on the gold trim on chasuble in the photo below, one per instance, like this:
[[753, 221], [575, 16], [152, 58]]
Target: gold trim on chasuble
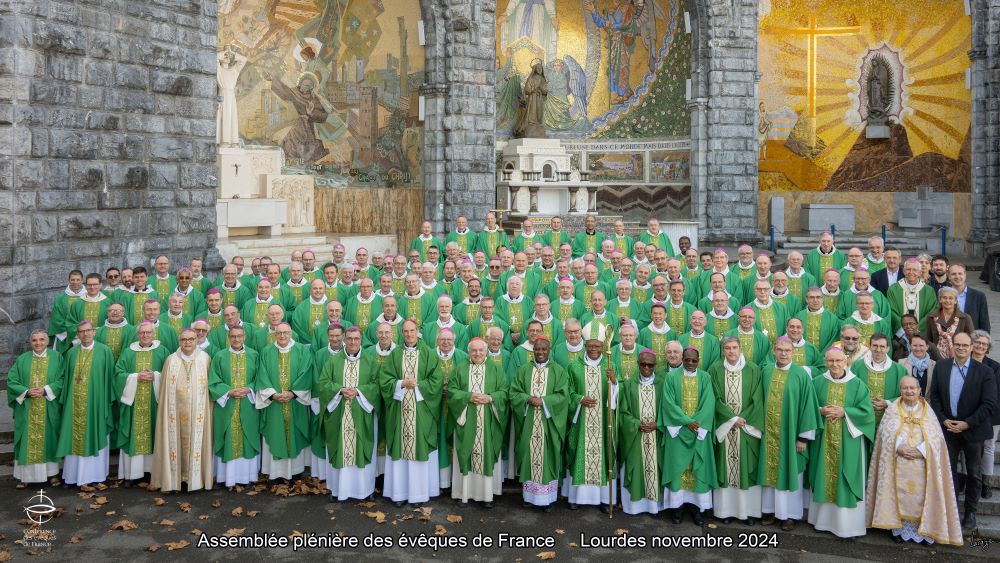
[[285, 382], [689, 404], [408, 413], [36, 412], [734, 400], [477, 384], [593, 445], [81, 394], [832, 442], [348, 435], [650, 458], [539, 385], [142, 406], [237, 379], [772, 425]]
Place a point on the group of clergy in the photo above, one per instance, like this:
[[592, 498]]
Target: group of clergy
[[499, 359]]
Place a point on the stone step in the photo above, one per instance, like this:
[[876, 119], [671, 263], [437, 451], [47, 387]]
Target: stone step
[[285, 240], [989, 526]]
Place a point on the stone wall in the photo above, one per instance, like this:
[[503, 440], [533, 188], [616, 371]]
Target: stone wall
[[107, 144], [459, 162], [985, 58]]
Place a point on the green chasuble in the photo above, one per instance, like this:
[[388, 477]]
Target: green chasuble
[[591, 324], [478, 328], [466, 241], [707, 345], [838, 462], [133, 301], [116, 336], [162, 286], [552, 329], [799, 283], [641, 452], [295, 293], [419, 308], [792, 303], [285, 426], [564, 355], [555, 239], [137, 401], [656, 339], [626, 363], [659, 240], [59, 319], [236, 295], [790, 413], [874, 265], [523, 241], [688, 456], [36, 419], [219, 337], [919, 300], [849, 303], [738, 393], [166, 335], [871, 325], [371, 334], [422, 243], [515, 313], [755, 345], [817, 264], [770, 320], [361, 313], [479, 430], [584, 291], [194, 303], [411, 425], [87, 397], [177, 324], [488, 241], [236, 425], [584, 243], [882, 380], [90, 309], [343, 293], [254, 311], [586, 446], [306, 317], [465, 312], [820, 328], [679, 317], [719, 326], [632, 309], [540, 432], [349, 428], [566, 310], [433, 327], [447, 366], [831, 300]]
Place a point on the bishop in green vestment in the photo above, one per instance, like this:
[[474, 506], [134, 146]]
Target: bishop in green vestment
[[285, 397], [539, 399], [593, 402], [911, 295], [350, 403], [478, 412], [91, 306], [821, 326], [448, 359], [310, 313], [837, 472], [753, 342], [588, 240], [137, 382], [657, 334], [640, 440], [59, 323], [739, 415], [87, 418], [462, 236], [34, 385], [115, 333], [232, 384], [687, 420], [410, 382], [654, 236], [699, 339], [881, 375], [790, 422], [824, 257]]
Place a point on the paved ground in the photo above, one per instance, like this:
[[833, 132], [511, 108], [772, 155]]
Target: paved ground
[[84, 528]]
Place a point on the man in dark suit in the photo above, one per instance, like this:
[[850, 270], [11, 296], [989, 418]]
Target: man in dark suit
[[883, 279], [963, 396], [971, 301]]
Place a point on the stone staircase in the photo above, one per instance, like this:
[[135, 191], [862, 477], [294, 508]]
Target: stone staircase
[[574, 224], [804, 243], [280, 247]]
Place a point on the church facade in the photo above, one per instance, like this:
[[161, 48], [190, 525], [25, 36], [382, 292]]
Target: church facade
[[699, 110]]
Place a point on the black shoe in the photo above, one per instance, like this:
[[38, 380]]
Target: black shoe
[[605, 509], [547, 509], [675, 516], [417, 504], [969, 522], [128, 483], [751, 521], [526, 505], [487, 505], [697, 517], [398, 504], [573, 506], [897, 539], [987, 491], [727, 521]]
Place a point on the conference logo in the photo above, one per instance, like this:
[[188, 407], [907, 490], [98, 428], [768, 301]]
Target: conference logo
[[39, 511]]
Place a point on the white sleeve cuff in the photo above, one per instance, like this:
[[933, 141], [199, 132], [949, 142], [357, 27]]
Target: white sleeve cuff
[[420, 396], [854, 430], [922, 448], [334, 402], [702, 432], [752, 431], [810, 435], [460, 421], [364, 402], [314, 406], [545, 409], [724, 428], [156, 386], [576, 415], [614, 397], [400, 392], [221, 401], [674, 431], [20, 398], [264, 397], [303, 397], [128, 394]]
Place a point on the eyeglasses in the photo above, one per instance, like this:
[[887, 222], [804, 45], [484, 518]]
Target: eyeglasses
[[113, 276], [188, 339], [849, 338], [647, 364]]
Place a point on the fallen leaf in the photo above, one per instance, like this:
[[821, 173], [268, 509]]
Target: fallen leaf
[[238, 488], [574, 544], [86, 496], [185, 506], [101, 500], [174, 545], [196, 532], [5, 556], [86, 488], [203, 517], [231, 532], [75, 539], [546, 555], [237, 512], [111, 513], [560, 531], [294, 533], [454, 518], [379, 517], [713, 526], [621, 531], [79, 508], [406, 517], [439, 530], [124, 525], [253, 513], [95, 506], [251, 493], [100, 487], [425, 513], [143, 485], [216, 503], [367, 504], [159, 501], [166, 522], [153, 548]]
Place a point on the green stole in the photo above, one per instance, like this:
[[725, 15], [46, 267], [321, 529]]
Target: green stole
[[363, 315], [768, 323], [689, 404], [142, 431], [237, 379], [676, 316], [814, 328], [285, 384], [35, 452], [113, 339], [772, 424], [832, 438], [80, 398]]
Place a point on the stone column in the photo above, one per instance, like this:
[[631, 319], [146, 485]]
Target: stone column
[[985, 130], [107, 145]]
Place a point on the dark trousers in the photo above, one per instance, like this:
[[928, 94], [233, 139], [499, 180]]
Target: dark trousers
[[973, 453]]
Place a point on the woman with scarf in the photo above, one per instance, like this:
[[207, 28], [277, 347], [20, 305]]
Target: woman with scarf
[[947, 321], [919, 363]]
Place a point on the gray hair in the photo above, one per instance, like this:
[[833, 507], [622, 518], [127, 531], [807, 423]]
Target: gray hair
[[980, 333], [848, 326], [948, 289], [727, 339]]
